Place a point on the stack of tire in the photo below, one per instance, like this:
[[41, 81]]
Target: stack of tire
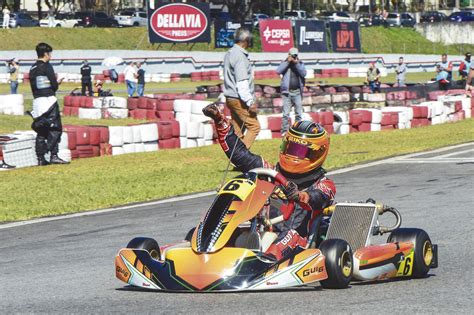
[[87, 141], [457, 107], [88, 107], [132, 139], [266, 74], [405, 115], [196, 130], [205, 76], [12, 104], [161, 77], [332, 73], [365, 119], [105, 77]]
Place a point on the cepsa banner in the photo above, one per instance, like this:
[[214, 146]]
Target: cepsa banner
[[345, 37], [179, 23], [276, 35], [311, 36]]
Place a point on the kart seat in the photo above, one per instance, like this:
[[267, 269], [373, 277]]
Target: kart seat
[[249, 240]]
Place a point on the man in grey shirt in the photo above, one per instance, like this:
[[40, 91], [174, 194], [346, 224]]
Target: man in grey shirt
[[239, 88], [401, 71]]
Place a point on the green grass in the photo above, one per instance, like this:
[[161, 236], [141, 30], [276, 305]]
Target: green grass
[[375, 40], [94, 183]]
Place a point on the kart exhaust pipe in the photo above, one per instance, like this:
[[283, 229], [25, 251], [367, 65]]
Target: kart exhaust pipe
[[385, 229]]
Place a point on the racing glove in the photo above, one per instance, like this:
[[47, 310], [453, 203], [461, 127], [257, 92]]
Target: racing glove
[[212, 111], [293, 193]]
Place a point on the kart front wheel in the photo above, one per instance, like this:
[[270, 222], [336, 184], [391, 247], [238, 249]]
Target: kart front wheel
[[339, 263], [148, 244], [423, 256]]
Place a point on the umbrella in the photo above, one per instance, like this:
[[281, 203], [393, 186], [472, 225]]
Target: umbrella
[[112, 61]]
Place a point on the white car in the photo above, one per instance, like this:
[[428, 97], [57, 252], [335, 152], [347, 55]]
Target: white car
[[131, 18], [335, 16], [61, 20]]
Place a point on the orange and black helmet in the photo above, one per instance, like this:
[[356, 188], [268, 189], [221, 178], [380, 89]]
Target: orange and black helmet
[[304, 148]]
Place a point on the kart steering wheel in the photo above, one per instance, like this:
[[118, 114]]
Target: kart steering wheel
[[288, 209]]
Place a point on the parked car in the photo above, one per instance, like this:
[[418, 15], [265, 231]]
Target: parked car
[[20, 20], [257, 17], [370, 19], [400, 19], [462, 16], [61, 20], [96, 19], [295, 15], [433, 16], [131, 18], [335, 16]]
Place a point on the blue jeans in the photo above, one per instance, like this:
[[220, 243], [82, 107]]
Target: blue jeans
[[289, 99], [131, 87], [13, 87], [374, 86], [140, 89]]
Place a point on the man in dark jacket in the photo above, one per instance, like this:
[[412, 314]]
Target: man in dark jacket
[[46, 115], [86, 79], [140, 80]]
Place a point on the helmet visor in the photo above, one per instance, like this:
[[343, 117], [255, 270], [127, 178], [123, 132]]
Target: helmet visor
[[302, 151]]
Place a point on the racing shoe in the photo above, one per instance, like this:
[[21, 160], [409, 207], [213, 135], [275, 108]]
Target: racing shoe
[[56, 160], [42, 161]]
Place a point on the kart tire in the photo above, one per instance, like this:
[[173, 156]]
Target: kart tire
[[189, 236], [147, 244], [423, 255], [339, 263]]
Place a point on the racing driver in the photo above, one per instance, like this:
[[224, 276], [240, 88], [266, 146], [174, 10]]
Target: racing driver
[[302, 154]]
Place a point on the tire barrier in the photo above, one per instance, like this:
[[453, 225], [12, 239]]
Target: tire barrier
[[12, 104]]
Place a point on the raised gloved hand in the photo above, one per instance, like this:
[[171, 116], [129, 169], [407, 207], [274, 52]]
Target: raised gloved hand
[[212, 111]]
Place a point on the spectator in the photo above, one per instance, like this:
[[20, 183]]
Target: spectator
[[470, 81], [465, 66], [51, 16], [291, 87], [140, 80], [373, 77], [401, 71], [130, 73], [46, 116], [442, 77], [6, 17], [86, 79], [239, 88], [13, 70], [445, 66]]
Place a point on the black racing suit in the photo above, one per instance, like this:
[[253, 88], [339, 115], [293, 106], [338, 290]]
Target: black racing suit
[[86, 80], [48, 125], [320, 189]]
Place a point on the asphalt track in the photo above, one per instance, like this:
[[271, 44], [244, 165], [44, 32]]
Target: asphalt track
[[66, 265]]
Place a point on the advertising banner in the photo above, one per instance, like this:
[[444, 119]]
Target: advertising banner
[[311, 36], [345, 37], [224, 32], [276, 35], [179, 23]]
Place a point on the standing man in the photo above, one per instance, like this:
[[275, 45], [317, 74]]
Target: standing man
[[401, 71], [293, 74], [373, 76], [446, 66], [140, 80], [465, 66], [51, 16], [46, 116], [6, 17], [86, 79], [13, 70], [239, 88], [130, 78]]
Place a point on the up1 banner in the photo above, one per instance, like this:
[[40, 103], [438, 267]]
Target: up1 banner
[[311, 36], [276, 35], [179, 22], [224, 32], [345, 36]]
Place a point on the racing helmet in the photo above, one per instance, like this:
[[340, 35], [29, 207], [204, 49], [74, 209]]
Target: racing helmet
[[304, 148]]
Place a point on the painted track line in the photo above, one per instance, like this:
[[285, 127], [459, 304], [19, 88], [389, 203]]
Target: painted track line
[[210, 193]]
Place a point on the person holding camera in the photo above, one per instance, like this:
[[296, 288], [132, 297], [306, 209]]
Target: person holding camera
[[13, 70], [373, 78], [46, 116], [293, 74]]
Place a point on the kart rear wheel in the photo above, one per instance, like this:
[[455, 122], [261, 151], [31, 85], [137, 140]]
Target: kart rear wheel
[[423, 255], [339, 263], [147, 244]]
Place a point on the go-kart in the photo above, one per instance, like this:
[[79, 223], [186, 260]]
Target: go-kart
[[226, 251]]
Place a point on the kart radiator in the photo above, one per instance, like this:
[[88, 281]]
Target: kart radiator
[[353, 223]]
